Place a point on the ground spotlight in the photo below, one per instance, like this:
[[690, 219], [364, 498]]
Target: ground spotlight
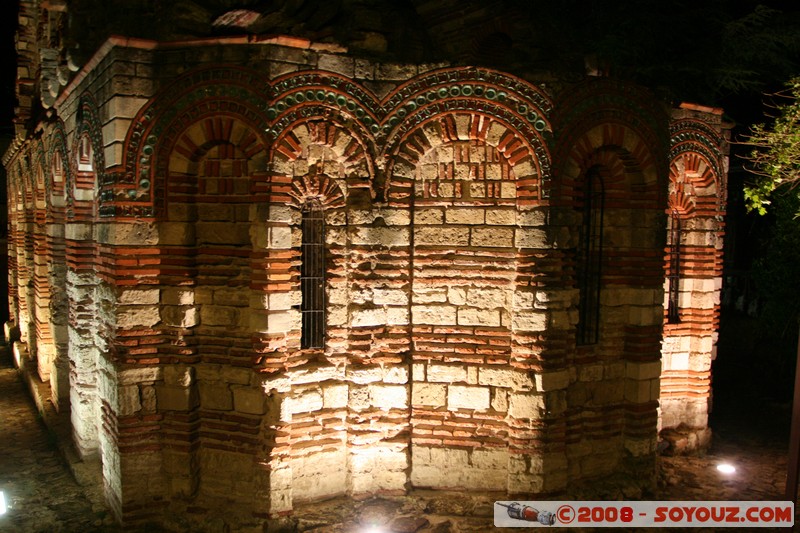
[[726, 468]]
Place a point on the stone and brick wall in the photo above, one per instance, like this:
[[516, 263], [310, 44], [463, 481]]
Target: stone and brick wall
[[697, 195], [155, 261]]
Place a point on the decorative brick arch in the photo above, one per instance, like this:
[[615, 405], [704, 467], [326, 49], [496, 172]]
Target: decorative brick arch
[[207, 94], [521, 170], [88, 135], [696, 210], [470, 104], [336, 112], [619, 133], [58, 160], [327, 147], [609, 114]]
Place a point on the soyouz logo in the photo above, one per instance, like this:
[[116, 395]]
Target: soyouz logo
[[644, 514]]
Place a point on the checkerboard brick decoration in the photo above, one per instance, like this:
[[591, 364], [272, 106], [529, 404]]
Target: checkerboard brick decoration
[[155, 276]]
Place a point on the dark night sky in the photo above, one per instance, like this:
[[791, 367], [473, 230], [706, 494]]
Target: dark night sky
[[8, 26]]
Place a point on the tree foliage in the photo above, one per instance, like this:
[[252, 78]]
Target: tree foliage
[[775, 158]]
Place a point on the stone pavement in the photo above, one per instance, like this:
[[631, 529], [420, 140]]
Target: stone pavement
[[40, 490], [44, 496]]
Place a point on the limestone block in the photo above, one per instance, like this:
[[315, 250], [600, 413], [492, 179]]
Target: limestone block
[[375, 458], [421, 295], [395, 217], [526, 406], [177, 296], [180, 316], [389, 396], [249, 400], [456, 295], [282, 213], [501, 217], [396, 316], [379, 480], [444, 373], [418, 371], [477, 190], [470, 316], [128, 399], [176, 233], [336, 63], [136, 375], [234, 297], [428, 216], [368, 317], [590, 372], [505, 377], [364, 375], [499, 400], [464, 215], [179, 375], [529, 321], [468, 397], [382, 236], [148, 394], [441, 236], [522, 300], [648, 370], [358, 398], [433, 314], [337, 316], [171, 398], [319, 475], [139, 297], [236, 374], [139, 316], [382, 296], [334, 396], [216, 395], [531, 238], [126, 233], [488, 298], [396, 374], [492, 237], [524, 169], [508, 189], [212, 315], [280, 237], [337, 295], [124, 106], [78, 232], [306, 402], [429, 394], [637, 391], [489, 459]]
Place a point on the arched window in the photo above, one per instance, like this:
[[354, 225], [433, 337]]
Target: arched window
[[590, 255], [312, 275], [85, 163], [674, 274]]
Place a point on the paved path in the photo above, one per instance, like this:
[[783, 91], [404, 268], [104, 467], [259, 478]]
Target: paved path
[[37, 485]]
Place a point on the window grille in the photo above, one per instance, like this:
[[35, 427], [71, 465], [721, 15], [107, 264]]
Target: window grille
[[312, 276], [590, 255], [674, 275]]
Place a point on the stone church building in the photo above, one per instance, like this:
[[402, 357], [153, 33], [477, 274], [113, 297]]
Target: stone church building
[[257, 270]]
